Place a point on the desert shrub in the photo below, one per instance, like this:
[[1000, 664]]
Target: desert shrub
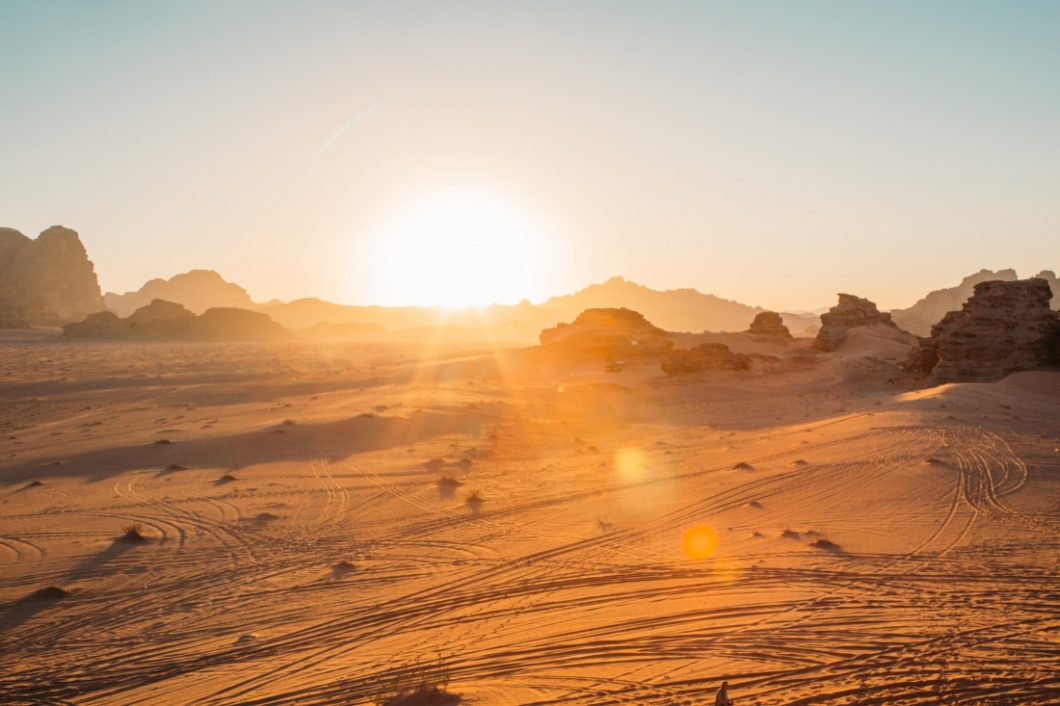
[[410, 678], [132, 533]]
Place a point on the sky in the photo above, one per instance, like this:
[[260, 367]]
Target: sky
[[773, 153]]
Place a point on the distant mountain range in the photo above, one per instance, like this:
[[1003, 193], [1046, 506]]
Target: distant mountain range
[[197, 290], [674, 310], [51, 281]]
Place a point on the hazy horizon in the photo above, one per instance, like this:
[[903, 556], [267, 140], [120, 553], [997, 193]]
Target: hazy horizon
[[466, 153]]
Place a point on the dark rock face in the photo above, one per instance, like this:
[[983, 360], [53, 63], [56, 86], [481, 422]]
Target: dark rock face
[[708, 356], [769, 324], [12, 315], [166, 321], [850, 312], [1005, 327], [929, 310], [611, 334], [48, 281]]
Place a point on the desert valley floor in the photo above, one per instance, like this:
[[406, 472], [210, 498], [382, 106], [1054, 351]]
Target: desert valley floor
[[322, 519]]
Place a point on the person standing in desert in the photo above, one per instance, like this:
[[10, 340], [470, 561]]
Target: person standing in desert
[[722, 699]]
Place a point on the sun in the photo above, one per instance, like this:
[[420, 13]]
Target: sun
[[460, 247]]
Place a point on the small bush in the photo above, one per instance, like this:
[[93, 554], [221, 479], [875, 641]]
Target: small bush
[[133, 534], [407, 682]]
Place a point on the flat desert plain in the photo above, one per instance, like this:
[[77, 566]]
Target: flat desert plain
[[296, 524]]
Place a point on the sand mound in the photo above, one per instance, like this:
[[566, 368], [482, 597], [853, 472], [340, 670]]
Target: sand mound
[[49, 593]]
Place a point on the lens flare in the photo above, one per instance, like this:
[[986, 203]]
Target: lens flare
[[699, 542], [630, 464]]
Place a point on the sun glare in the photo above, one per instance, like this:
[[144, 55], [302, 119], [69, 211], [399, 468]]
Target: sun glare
[[699, 542], [459, 248]]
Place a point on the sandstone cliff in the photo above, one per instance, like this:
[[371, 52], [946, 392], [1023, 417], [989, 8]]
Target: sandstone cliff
[[929, 310], [48, 281], [1005, 327]]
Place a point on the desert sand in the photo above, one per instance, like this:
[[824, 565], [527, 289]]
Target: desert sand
[[318, 520]]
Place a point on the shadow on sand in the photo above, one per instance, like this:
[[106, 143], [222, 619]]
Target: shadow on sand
[[333, 440]]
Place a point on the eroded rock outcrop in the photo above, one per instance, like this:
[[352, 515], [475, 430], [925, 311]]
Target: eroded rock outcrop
[[770, 325], [48, 281], [1005, 327], [708, 356], [608, 334], [166, 321], [929, 310], [850, 312]]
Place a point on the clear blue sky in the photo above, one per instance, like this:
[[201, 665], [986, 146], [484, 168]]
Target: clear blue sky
[[770, 152]]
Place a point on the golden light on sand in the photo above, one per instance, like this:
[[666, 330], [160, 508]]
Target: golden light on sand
[[461, 247], [630, 464], [699, 542], [726, 569]]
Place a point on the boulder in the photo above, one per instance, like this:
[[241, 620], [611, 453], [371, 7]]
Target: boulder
[[1005, 327], [102, 324], [708, 356], [608, 334], [50, 280], [229, 323], [770, 325], [850, 312]]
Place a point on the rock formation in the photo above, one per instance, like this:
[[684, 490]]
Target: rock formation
[[161, 319], [1005, 327], [770, 325], [102, 324], [48, 281], [228, 323], [166, 321], [608, 334], [12, 314], [708, 356], [850, 312], [197, 290], [929, 310]]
